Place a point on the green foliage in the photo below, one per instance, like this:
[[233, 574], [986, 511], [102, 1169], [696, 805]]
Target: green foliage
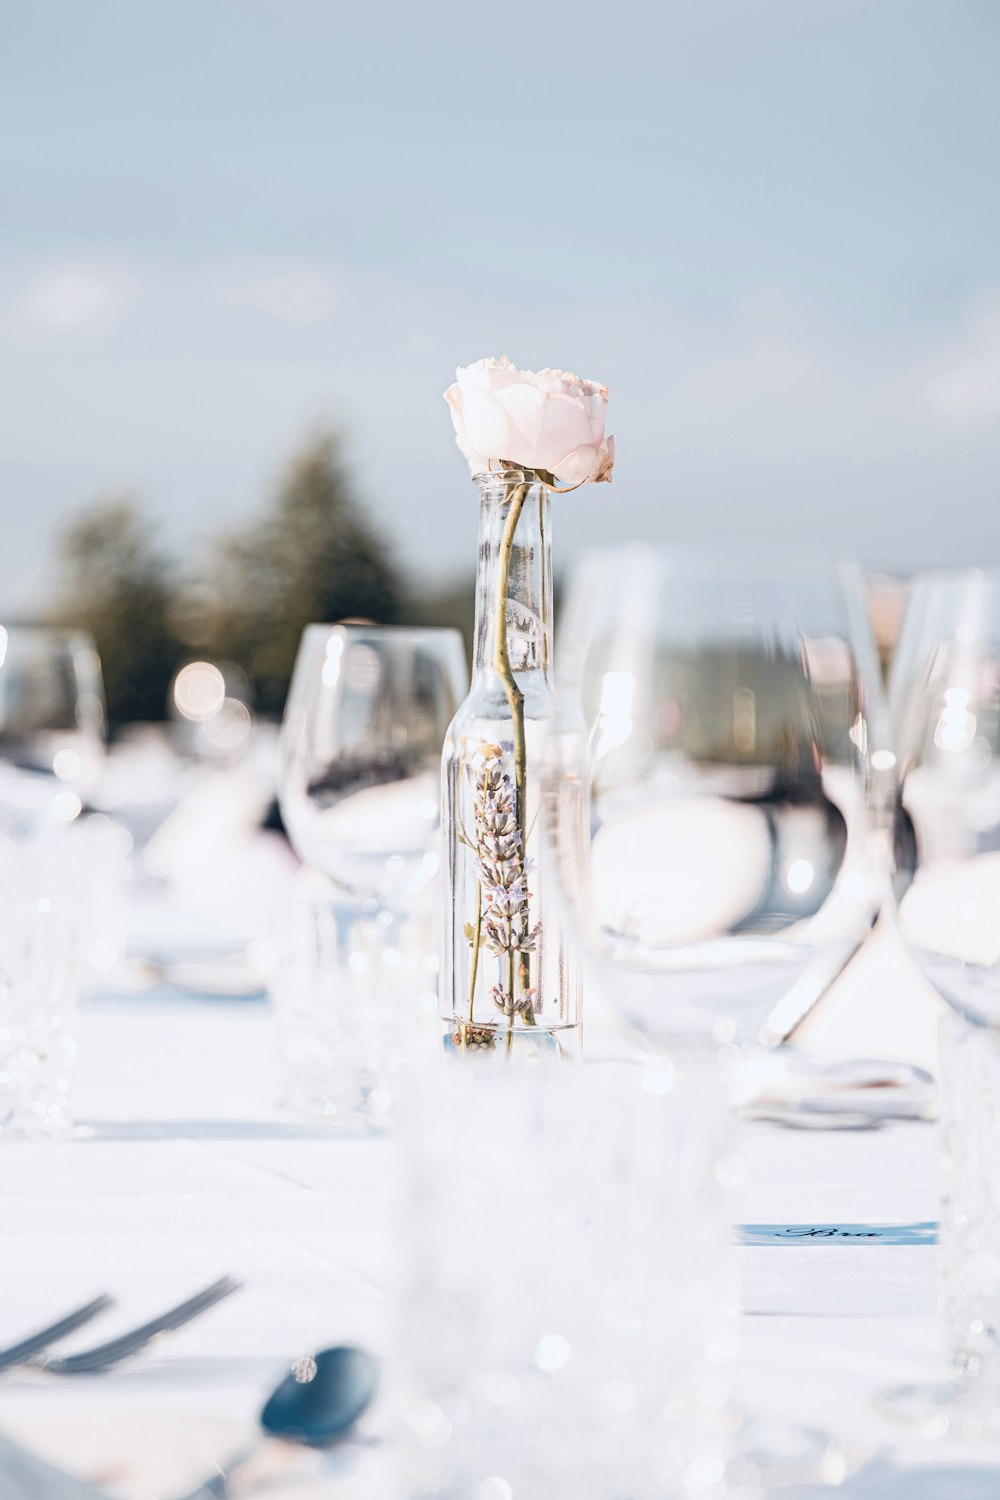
[[116, 584], [312, 557]]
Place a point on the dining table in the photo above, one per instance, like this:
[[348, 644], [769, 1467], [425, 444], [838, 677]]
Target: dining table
[[182, 1167]]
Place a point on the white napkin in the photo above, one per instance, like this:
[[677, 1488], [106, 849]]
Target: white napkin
[[793, 1088]]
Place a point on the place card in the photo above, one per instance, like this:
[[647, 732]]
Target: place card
[[837, 1234]]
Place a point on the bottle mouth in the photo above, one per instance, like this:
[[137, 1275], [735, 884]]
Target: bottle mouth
[[508, 475]]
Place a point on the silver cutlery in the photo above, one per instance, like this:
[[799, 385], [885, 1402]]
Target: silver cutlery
[[315, 1405], [104, 1356], [21, 1353]]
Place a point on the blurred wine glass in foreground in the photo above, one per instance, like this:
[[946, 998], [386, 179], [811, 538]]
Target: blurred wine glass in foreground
[[945, 705], [728, 869], [51, 726], [359, 789]]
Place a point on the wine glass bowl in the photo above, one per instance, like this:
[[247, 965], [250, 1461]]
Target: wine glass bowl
[[51, 726], [728, 868], [367, 712]]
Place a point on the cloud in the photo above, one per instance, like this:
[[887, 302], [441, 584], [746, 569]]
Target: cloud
[[965, 389], [66, 298]]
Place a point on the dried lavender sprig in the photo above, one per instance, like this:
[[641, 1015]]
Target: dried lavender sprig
[[502, 873], [504, 918], [507, 1006]]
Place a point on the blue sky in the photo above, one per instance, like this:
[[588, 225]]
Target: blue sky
[[772, 227]]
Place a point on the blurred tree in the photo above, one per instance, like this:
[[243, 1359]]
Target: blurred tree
[[116, 583], [313, 557]]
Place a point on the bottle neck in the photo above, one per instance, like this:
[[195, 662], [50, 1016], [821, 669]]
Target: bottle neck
[[514, 578]]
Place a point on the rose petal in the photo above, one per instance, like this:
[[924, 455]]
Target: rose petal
[[492, 374], [487, 428], [597, 407], [587, 464], [525, 408], [602, 474], [579, 465], [548, 426]]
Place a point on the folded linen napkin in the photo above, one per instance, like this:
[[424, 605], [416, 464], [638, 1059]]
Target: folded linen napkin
[[790, 1086]]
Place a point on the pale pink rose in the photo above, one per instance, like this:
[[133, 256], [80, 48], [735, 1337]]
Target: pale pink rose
[[546, 420]]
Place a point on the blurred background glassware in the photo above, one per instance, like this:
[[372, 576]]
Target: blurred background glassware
[[970, 1217], [348, 1008], [359, 790], [39, 974], [361, 739], [945, 706], [730, 864], [86, 868], [564, 1298], [51, 726], [964, 1402]]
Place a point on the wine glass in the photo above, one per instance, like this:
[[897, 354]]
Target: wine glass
[[945, 711], [361, 743], [359, 789], [945, 707], [709, 814], [729, 866], [51, 726]]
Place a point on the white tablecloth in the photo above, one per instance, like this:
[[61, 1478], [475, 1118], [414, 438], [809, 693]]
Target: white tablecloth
[[183, 1170]]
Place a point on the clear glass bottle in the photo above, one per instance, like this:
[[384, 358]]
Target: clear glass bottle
[[508, 983]]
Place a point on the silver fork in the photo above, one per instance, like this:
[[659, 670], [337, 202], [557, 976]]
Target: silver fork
[[18, 1354], [103, 1356]]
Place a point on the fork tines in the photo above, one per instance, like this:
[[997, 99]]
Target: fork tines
[[27, 1348], [103, 1356]]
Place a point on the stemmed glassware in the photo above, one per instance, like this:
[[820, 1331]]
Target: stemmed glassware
[[710, 818], [51, 726], [39, 979], [945, 709], [359, 789], [52, 920], [962, 1403], [729, 866], [945, 706]]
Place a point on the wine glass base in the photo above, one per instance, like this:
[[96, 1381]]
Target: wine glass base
[[944, 1408]]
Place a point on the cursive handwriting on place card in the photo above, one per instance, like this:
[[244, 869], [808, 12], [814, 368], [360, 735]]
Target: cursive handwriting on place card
[[830, 1232], [823, 1234]]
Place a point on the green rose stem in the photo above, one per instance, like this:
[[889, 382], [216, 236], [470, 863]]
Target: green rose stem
[[515, 698], [477, 935], [545, 608]]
